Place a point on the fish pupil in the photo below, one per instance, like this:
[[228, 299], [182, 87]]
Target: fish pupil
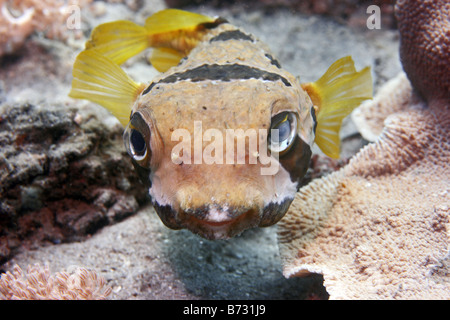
[[284, 131], [137, 142]]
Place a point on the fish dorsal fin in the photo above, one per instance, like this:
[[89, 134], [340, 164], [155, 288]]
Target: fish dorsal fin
[[165, 58], [119, 40], [340, 90], [173, 19], [100, 80]]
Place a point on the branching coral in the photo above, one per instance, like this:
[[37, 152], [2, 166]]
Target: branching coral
[[38, 284], [379, 227], [20, 18]]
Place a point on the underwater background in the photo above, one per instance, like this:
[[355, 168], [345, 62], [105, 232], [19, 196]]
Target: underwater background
[[69, 196]]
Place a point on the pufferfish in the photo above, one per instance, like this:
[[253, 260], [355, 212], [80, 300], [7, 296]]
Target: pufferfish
[[216, 79]]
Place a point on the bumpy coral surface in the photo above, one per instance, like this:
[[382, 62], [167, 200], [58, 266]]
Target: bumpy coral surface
[[370, 116], [425, 45], [379, 228]]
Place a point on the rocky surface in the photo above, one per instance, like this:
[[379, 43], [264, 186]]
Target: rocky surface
[[65, 175]]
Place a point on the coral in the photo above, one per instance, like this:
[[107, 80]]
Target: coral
[[425, 45], [369, 117], [38, 284], [379, 227], [19, 19]]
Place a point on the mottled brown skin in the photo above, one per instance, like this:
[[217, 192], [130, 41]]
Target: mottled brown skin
[[425, 45], [193, 195]]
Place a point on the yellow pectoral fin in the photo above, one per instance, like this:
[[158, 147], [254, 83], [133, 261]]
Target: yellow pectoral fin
[[173, 19], [119, 40], [340, 90], [100, 80], [165, 58]]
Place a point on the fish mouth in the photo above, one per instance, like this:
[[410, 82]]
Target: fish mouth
[[221, 223], [215, 223], [212, 227]]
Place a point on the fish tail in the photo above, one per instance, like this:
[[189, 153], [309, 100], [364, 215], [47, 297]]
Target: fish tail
[[340, 90], [175, 31], [170, 20], [98, 79], [119, 40]]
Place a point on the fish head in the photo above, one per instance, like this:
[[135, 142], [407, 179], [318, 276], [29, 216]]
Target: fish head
[[211, 161]]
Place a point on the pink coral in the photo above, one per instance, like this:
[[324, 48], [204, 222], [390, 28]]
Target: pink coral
[[425, 45], [379, 227]]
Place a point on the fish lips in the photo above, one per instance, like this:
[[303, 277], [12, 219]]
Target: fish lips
[[221, 223]]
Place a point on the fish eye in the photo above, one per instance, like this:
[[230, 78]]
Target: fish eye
[[135, 138], [285, 124], [138, 147]]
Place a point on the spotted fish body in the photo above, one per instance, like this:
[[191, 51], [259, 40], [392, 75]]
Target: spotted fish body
[[229, 80]]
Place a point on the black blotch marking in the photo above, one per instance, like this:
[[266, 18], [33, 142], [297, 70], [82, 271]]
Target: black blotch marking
[[167, 215], [232, 35], [313, 113], [147, 90], [273, 60], [296, 160], [215, 23], [273, 212], [143, 173]]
